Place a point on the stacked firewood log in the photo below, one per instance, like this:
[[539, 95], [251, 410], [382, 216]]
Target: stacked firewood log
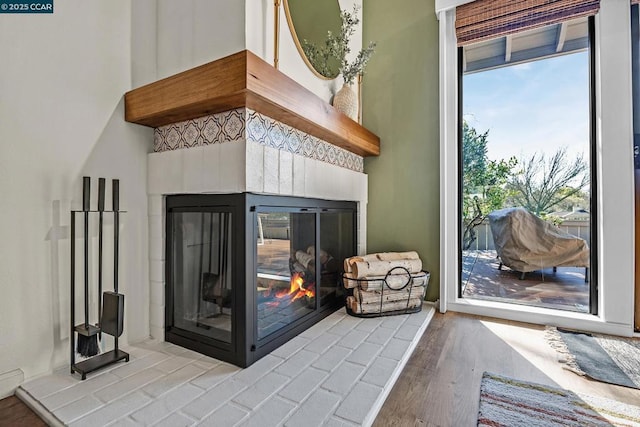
[[385, 282], [305, 261]]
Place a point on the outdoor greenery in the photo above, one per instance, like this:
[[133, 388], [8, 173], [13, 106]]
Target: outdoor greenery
[[539, 183], [336, 48], [578, 199], [545, 182], [483, 181]]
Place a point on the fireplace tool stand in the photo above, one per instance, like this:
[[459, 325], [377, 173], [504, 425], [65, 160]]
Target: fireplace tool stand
[[111, 307]]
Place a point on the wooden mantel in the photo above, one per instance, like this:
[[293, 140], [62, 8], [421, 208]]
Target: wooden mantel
[[245, 80]]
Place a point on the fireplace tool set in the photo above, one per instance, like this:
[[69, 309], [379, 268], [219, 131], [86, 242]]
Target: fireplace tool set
[[110, 303]]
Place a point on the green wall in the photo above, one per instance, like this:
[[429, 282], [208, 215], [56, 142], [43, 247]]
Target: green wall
[[400, 104]]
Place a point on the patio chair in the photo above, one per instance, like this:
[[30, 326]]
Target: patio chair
[[525, 243]]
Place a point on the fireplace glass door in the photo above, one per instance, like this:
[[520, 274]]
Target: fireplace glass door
[[285, 269], [201, 251], [246, 272], [337, 243]]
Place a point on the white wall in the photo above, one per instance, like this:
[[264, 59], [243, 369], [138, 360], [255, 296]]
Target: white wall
[[61, 82], [144, 46], [194, 32]]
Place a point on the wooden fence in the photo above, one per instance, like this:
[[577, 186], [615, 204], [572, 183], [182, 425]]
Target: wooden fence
[[484, 238]]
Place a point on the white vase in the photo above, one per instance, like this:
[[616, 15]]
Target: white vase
[[346, 101]]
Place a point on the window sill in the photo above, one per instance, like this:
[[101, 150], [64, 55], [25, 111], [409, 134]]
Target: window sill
[[540, 316]]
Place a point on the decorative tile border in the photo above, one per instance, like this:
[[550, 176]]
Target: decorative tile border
[[216, 128], [271, 133], [241, 123]]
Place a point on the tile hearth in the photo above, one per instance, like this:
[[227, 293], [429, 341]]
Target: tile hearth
[[345, 365]]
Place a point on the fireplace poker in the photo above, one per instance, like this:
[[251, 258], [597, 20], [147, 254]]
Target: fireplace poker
[[87, 334], [101, 190]]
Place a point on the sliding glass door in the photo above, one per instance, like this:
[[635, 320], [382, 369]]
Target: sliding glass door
[[526, 168]]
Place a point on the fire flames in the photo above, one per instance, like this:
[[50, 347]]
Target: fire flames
[[296, 289]]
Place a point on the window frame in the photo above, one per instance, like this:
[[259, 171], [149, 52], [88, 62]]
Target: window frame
[[593, 249], [614, 168]]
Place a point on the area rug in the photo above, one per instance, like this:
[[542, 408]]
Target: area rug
[[605, 358], [509, 402]]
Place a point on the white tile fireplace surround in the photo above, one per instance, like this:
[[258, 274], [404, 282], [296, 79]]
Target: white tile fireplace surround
[[337, 373], [242, 151]]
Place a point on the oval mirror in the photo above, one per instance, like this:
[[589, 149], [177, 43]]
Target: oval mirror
[[310, 20]]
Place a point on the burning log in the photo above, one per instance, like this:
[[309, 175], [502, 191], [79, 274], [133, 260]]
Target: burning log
[[367, 297], [297, 289], [296, 267], [304, 258], [306, 261], [382, 307]]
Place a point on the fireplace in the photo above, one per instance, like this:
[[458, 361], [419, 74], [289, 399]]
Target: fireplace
[[237, 125], [246, 272]]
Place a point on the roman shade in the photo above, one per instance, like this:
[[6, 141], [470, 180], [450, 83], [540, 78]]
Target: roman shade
[[485, 19]]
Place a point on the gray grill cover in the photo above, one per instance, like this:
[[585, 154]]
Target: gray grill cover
[[526, 243]]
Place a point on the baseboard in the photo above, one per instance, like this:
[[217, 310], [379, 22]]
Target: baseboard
[[9, 382]]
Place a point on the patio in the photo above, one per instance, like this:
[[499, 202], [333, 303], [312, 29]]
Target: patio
[[564, 289]]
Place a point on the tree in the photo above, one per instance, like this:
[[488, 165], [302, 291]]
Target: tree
[[545, 182], [483, 181], [579, 199]]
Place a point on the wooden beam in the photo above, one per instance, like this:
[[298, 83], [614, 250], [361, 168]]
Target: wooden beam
[[508, 41], [562, 36], [245, 80]]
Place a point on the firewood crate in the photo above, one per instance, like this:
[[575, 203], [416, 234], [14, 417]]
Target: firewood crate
[[399, 292]]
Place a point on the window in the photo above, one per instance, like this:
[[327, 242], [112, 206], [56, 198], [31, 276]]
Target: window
[[526, 168], [613, 215]]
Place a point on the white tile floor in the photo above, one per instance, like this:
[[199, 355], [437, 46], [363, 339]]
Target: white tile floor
[[337, 373]]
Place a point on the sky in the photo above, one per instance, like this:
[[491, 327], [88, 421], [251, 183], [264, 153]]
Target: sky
[[533, 107]]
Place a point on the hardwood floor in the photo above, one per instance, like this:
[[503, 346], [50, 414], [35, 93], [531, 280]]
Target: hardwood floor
[[440, 385], [14, 413]]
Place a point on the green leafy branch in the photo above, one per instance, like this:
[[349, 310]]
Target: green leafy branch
[[336, 46]]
